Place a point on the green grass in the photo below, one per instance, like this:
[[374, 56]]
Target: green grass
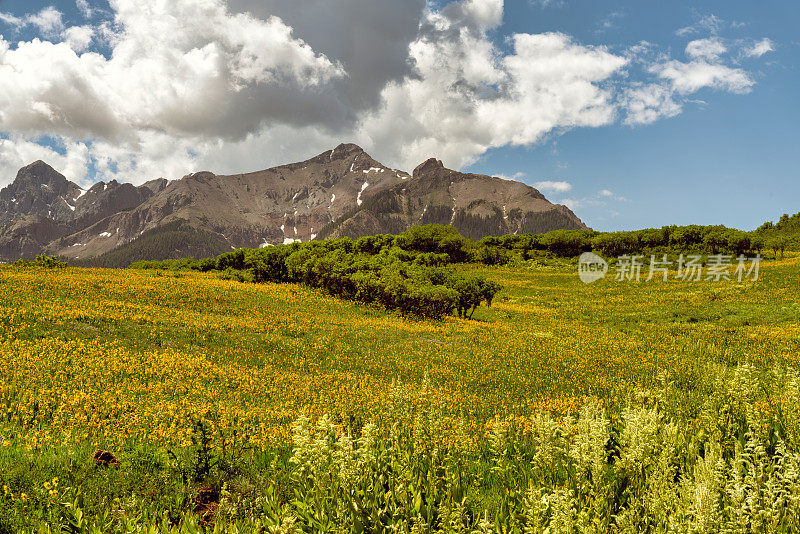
[[549, 344]]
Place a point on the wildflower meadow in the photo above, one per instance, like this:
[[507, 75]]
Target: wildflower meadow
[[660, 406]]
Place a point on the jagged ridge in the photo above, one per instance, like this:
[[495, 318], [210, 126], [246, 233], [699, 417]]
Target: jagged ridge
[[341, 192]]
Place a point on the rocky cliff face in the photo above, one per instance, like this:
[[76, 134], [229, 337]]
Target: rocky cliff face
[[41, 207], [341, 192], [39, 190], [476, 205]]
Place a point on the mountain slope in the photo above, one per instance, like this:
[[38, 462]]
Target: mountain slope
[[341, 192], [476, 205], [173, 240], [41, 207], [274, 206]]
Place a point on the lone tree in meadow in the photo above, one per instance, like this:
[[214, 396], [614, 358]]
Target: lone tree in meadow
[[472, 291]]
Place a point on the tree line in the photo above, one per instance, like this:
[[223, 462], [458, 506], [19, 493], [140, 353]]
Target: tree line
[[410, 272], [671, 240], [413, 271]]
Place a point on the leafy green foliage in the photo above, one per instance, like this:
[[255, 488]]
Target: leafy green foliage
[[42, 261], [671, 240], [409, 272], [786, 225], [401, 271]]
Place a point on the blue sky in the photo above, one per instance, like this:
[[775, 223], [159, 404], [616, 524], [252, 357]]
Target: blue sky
[[547, 92], [733, 160]]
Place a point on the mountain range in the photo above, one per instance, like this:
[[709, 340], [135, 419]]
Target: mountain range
[[341, 192]]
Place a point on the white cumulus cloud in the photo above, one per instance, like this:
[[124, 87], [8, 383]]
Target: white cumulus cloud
[[760, 48], [690, 77], [646, 104], [49, 21], [85, 8], [73, 161], [467, 97], [237, 85], [707, 68], [177, 67], [11, 20], [710, 48], [555, 187], [78, 38]]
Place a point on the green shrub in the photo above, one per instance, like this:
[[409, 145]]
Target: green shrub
[[42, 261]]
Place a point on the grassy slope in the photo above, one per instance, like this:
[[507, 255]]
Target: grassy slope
[[103, 358], [548, 337]]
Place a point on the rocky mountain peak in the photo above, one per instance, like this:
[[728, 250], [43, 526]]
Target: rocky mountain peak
[[345, 151], [157, 185], [343, 191], [430, 165], [37, 165], [40, 173], [201, 176], [39, 190]]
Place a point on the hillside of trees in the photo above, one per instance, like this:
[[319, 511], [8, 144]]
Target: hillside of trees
[[786, 225], [173, 240], [783, 234]]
